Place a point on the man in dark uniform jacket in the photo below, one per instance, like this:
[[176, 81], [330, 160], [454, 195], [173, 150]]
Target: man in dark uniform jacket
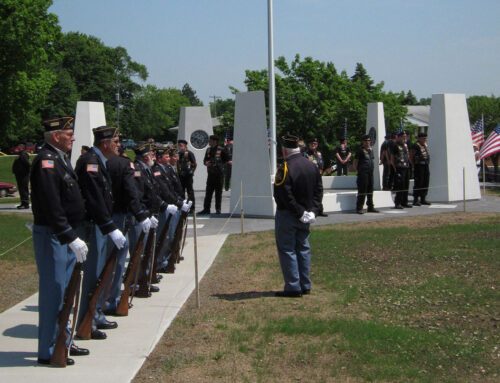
[[400, 161], [297, 192], [343, 155], [385, 160], [95, 184], [364, 165], [215, 158], [313, 155], [58, 210], [21, 169], [186, 167], [229, 164], [127, 207], [149, 194], [421, 157]]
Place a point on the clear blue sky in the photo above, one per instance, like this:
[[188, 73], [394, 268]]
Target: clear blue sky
[[428, 46]]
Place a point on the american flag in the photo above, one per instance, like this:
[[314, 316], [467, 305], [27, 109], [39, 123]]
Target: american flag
[[345, 129], [492, 144], [477, 132]]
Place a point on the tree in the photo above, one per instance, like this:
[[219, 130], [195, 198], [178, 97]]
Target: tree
[[190, 93], [27, 33], [489, 107]]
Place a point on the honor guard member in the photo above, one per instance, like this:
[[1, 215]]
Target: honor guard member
[[175, 183], [385, 160], [400, 161], [58, 210], [21, 170], [168, 195], [229, 164], [127, 206], [186, 167], [215, 158], [364, 165], [149, 194], [343, 155], [297, 192], [95, 184], [421, 157], [313, 155]]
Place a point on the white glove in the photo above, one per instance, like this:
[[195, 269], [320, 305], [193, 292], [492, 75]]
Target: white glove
[[154, 222], [186, 206], [80, 249], [305, 217], [118, 238], [145, 225], [172, 209], [312, 217]]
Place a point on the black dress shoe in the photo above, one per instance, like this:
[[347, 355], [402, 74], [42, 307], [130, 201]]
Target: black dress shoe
[[181, 258], [154, 289], [23, 207], [425, 203], [306, 291], [96, 334], [398, 207], [217, 212], [288, 294], [69, 361], [107, 325], [322, 214], [407, 206], [74, 350], [416, 203], [203, 212], [372, 210], [360, 211]]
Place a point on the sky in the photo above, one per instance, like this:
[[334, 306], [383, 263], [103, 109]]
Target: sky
[[426, 46]]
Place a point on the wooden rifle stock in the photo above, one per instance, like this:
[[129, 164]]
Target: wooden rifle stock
[[184, 235], [60, 353], [143, 291], [123, 305], [176, 254], [85, 328], [158, 248]]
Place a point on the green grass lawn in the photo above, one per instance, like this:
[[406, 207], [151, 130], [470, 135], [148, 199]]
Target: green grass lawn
[[6, 174]]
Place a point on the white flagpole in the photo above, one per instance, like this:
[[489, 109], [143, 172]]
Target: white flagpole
[[272, 98]]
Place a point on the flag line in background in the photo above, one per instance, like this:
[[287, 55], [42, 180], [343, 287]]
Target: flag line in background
[[492, 144]]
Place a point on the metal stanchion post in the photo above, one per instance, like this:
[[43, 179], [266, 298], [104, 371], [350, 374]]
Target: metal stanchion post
[[484, 177], [464, 185], [196, 262], [242, 212]]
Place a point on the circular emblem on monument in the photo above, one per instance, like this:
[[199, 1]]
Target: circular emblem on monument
[[373, 136], [199, 139]]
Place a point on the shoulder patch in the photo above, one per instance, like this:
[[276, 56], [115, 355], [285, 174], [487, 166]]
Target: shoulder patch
[[92, 168], [157, 173], [47, 164], [137, 173]]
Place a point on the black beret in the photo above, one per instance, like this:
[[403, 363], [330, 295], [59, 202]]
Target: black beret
[[143, 149], [314, 139], [422, 134], [403, 132], [104, 132], [214, 137], [289, 141], [58, 123], [366, 137], [85, 147], [182, 142]]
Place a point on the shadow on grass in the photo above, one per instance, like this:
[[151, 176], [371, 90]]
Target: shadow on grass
[[245, 295]]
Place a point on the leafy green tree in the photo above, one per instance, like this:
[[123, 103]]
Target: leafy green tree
[[27, 33], [487, 106], [225, 112], [153, 112], [190, 93]]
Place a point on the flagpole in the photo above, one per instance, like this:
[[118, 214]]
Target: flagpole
[[272, 98]]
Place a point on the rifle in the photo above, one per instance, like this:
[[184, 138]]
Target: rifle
[[159, 247], [143, 291], [85, 328], [178, 237], [184, 235], [71, 296], [123, 305]]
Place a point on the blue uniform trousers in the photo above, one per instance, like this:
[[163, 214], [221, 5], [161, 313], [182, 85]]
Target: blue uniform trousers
[[121, 257], [55, 263], [171, 233], [92, 268], [293, 250]]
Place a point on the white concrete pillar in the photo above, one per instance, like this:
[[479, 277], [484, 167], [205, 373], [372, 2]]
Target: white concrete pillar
[[375, 127], [450, 145], [195, 126], [251, 161], [89, 115]]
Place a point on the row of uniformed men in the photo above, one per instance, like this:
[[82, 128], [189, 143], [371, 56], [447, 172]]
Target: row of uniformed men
[[81, 214]]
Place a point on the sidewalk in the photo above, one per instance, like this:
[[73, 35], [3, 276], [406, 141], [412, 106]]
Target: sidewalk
[[118, 358]]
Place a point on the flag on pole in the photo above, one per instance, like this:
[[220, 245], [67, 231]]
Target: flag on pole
[[477, 132], [345, 129], [400, 129], [492, 144]]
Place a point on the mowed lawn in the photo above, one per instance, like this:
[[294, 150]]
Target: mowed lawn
[[414, 299]]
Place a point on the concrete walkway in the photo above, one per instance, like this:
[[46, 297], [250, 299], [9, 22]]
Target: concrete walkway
[[118, 358]]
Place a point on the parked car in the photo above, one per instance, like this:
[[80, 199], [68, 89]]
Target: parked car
[[7, 189], [16, 149], [129, 143]]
